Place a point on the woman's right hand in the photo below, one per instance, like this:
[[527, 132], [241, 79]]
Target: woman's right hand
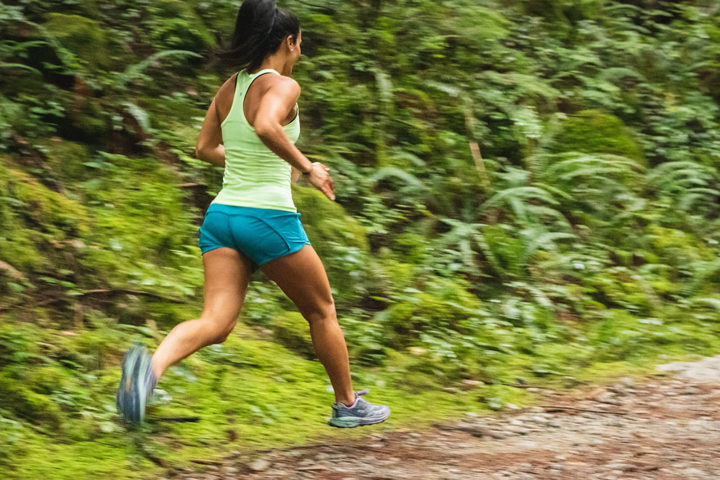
[[321, 179]]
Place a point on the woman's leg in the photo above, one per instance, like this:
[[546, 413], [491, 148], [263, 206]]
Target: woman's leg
[[301, 275], [227, 274]]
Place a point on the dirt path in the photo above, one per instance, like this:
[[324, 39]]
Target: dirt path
[[668, 428]]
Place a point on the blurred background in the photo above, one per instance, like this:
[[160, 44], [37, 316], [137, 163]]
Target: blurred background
[[527, 192]]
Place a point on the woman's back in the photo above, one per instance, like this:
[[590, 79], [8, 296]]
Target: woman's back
[[254, 175]]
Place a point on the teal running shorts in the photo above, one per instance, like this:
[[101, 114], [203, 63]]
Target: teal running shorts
[[263, 234]]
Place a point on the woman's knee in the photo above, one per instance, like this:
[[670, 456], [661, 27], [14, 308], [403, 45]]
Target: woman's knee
[[223, 336], [321, 313], [218, 329]]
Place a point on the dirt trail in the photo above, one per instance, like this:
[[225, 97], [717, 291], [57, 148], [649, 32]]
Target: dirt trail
[[665, 428]]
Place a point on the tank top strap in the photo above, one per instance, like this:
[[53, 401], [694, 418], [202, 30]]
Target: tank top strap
[[263, 71], [243, 80], [242, 88]]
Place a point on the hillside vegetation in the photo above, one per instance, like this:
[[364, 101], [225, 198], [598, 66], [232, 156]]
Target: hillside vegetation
[[526, 191]]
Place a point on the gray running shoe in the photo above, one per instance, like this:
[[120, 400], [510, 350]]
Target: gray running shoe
[[136, 384], [361, 413]]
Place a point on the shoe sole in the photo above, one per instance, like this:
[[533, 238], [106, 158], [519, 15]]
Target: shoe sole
[[121, 397], [128, 400], [352, 422]]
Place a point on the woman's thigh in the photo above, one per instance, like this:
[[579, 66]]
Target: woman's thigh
[[227, 274], [302, 277]]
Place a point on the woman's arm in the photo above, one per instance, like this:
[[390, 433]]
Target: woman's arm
[[209, 145], [276, 104]]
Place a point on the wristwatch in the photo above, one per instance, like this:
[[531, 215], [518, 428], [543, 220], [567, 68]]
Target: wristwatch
[[309, 171]]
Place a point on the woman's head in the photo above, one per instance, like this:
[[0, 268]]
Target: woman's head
[[262, 29]]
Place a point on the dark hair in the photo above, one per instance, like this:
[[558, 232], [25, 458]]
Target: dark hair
[[260, 28]]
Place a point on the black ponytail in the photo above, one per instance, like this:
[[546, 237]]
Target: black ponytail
[[260, 28]]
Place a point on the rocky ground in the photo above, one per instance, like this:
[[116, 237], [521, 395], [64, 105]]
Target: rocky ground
[[667, 427]]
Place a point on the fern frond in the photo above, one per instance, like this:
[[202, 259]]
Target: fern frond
[[135, 70]]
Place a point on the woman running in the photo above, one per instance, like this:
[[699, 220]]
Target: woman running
[[251, 128]]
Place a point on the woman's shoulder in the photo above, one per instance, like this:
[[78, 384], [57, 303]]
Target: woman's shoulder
[[278, 82], [293, 85], [286, 86], [285, 81]]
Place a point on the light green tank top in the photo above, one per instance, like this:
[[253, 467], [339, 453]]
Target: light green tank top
[[254, 175]]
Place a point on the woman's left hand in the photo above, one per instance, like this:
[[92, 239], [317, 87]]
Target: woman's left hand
[[321, 179]]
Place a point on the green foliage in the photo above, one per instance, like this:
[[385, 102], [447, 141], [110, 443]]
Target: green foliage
[[292, 330], [173, 24], [82, 36], [565, 12], [66, 160], [442, 305], [625, 336], [594, 131]]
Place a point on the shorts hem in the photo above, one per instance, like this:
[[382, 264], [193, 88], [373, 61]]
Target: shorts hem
[[254, 267], [292, 250], [203, 252]]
